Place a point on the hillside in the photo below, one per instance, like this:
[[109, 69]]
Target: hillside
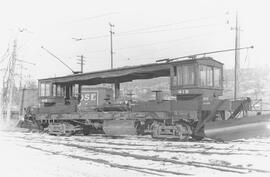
[[254, 83]]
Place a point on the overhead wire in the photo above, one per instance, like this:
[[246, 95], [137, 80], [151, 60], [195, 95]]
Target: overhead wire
[[139, 58], [150, 44], [147, 30], [154, 43], [172, 41], [142, 30], [162, 42], [164, 25], [133, 32], [70, 22], [95, 17], [94, 37], [165, 30]]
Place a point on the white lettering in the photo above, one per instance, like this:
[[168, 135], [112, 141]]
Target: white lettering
[[86, 98], [93, 97]]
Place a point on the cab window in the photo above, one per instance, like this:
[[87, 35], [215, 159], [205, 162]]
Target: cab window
[[45, 89], [57, 90], [75, 90], [209, 76], [42, 89], [54, 90], [217, 77], [185, 75]]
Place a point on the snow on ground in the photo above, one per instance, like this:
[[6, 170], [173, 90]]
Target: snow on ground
[[41, 155]]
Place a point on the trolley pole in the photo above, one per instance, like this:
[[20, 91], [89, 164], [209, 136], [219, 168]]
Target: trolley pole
[[111, 38]]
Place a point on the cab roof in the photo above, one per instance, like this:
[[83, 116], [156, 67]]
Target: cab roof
[[128, 73]]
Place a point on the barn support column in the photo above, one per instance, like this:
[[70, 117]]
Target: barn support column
[[116, 90], [79, 92], [172, 77]]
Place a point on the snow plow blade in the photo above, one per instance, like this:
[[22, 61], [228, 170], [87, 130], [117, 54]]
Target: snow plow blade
[[119, 127], [240, 128]]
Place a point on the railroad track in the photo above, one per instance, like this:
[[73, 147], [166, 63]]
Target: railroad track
[[204, 148], [94, 148]]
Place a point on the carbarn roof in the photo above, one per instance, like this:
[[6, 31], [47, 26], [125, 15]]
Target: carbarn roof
[[126, 74]]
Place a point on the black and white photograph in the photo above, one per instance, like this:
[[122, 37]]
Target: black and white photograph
[[134, 88]]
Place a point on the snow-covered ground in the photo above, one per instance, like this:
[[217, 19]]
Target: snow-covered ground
[[40, 155]]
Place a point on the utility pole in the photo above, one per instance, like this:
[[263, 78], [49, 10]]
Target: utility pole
[[111, 37], [21, 74], [9, 84], [81, 61], [237, 58], [116, 85]]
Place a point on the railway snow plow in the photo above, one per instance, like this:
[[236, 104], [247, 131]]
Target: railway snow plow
[[194, 109], [240, 128]]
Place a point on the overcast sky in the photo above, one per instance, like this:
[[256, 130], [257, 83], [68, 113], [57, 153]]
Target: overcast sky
[[145, 30]]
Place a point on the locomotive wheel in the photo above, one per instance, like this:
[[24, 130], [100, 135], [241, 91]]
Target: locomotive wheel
[[183, 131], [155, 130]]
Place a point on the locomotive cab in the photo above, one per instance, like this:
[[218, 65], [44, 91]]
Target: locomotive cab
[[56, 94], [58, 98], [65, 98], [197, 77]]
